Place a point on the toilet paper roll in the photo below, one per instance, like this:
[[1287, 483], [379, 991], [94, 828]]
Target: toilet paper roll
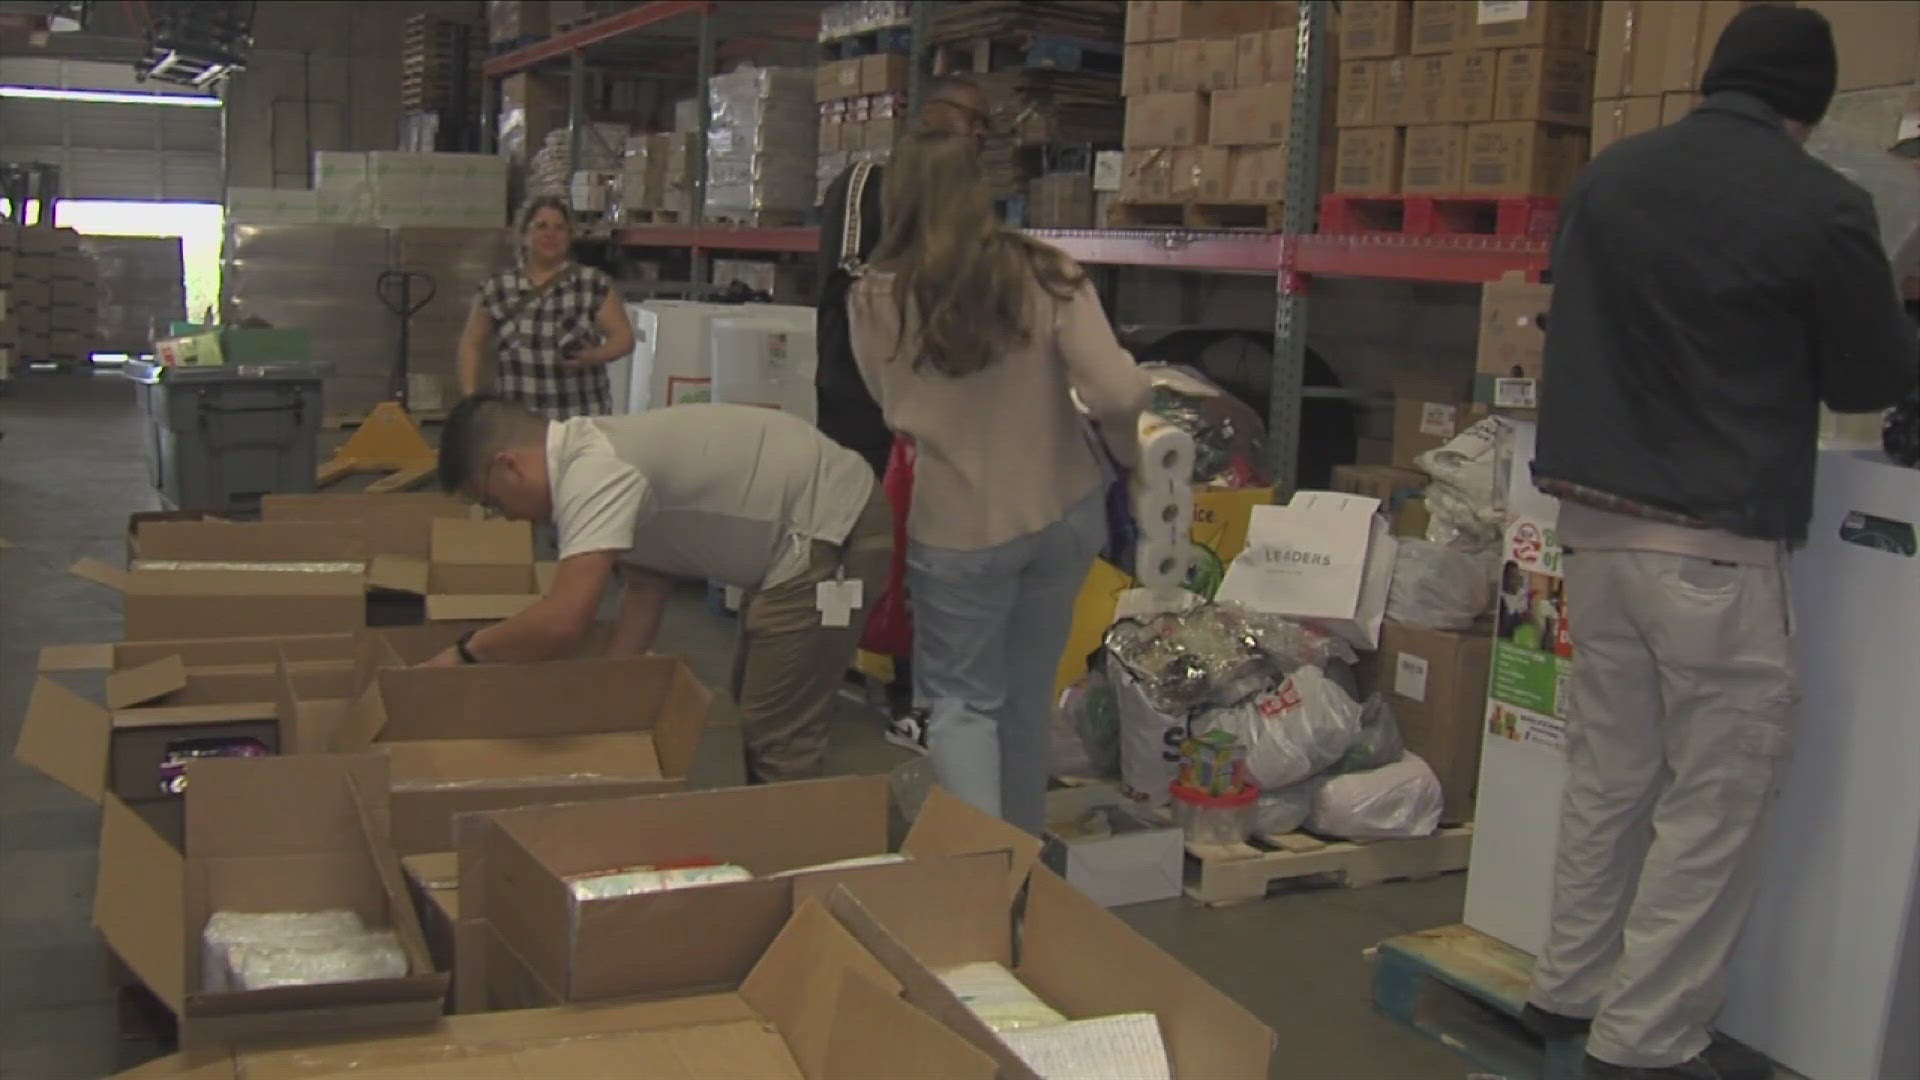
[[1163, 510], [1161, 565], [1166, 452]]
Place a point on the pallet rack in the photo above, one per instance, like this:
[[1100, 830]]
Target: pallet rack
[[1293, 256]]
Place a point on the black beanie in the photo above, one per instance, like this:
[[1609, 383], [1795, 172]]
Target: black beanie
[[1782, 55]]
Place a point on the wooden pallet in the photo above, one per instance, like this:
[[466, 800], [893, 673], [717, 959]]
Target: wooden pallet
[[1535, 216], [1461, 988], [758, 219], [1147, 215], [1256, 216], [651, 216], [1237, 873]]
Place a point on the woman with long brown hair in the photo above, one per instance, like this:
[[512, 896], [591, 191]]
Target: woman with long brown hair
[[974, 339], [552, 324]]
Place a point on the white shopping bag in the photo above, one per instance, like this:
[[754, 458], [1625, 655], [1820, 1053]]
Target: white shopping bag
[[1325, 558]]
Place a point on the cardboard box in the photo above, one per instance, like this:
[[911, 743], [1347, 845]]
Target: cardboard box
[[1375, 29], [1136, 69], [1140, 23], [1201, 64], [1148, 175], [1521, 157], [1180, 19], [1676, 105], [1618, 118], [1435, 160], [837, 79], [398, 523], [1433, 88], [166, 604], [883, 73], [173, 540], [1878, 43], [1213, 174], [815, 1006], [515, 865], [1253, 117], [1250, 58], [1163, 65], [1436, 681], [1176, 119], [1393, 89], [300, 833], [475, 569], [1630, 55], [1358, 101], [1401, 493], [1441, 26], [1259, 174], [1110, 854], [1078, 957], [1549, 85], [1473, 95], [1427, 413], [1559, 24], [1368, 161], [1512, 339]]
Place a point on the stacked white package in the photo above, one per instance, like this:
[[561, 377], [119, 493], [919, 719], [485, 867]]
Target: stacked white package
[[649, 880], [999, 998], [450, 191], [1162, 501], [257, 950], [762, 140], [1127, 1046], [342, 187]]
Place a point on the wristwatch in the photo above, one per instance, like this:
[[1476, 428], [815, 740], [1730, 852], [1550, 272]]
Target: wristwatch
[[461, 648]]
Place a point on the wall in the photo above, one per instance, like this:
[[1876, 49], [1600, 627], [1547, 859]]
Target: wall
[[325, 75]]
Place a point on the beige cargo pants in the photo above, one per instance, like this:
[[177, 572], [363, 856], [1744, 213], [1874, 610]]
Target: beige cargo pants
[[787, 667], [1683, 694]]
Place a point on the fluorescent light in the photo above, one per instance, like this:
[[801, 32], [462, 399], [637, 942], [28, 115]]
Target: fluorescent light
[[112, 97]]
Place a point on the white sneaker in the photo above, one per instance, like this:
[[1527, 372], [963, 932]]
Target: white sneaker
[[908, 731]]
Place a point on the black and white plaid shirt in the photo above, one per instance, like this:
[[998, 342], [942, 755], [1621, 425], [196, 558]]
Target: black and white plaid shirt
[[532, 332]]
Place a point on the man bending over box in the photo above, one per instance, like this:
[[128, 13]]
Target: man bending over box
[[733, 494]]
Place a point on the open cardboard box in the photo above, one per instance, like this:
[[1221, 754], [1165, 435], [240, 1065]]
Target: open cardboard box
[[166, 538], [815, 1006], [1073, 953], [399, 523], [524, 939], [475, 569], [168, 604], [297, 833]]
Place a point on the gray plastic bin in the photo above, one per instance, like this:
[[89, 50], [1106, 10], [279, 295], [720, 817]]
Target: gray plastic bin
[[223, 436]]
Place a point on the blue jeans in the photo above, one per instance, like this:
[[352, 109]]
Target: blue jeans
[[988, 629]]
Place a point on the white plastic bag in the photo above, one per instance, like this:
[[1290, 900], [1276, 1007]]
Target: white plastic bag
[[1149, 741], [1389, 803], [1282, 810], [1437, 587], [1292, 731]]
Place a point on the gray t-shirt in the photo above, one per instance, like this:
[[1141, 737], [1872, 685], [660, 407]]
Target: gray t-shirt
[[730, 493]]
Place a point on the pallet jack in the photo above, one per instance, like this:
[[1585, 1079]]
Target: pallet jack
[[388, 441]]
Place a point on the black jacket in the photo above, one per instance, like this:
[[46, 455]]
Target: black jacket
[[1712, 284], [847, 412]]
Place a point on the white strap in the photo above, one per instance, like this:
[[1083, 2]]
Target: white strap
[[853, 219]]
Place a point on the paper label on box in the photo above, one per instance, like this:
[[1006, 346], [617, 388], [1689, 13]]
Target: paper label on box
[[1437, 419], [1498, 11], [1513, 394], [1410, 676]]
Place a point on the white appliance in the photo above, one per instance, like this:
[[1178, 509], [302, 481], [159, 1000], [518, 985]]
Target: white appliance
[[670, 364], [1826, 978], [620, 372], [764, 354]]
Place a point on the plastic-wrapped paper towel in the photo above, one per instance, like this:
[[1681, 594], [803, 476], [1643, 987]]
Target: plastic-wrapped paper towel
[[998, 998], [246, 950], [1161, 499], [633, 882]]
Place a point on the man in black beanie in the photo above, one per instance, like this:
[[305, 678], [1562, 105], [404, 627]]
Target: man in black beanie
[[1713, 284]]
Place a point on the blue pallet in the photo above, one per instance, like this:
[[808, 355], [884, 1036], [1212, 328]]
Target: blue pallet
[[1464, 990]]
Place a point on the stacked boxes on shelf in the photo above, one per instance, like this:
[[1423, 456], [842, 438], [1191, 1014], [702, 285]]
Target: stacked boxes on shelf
[[862, 95], [1451, 97], [389, 188], [514, 23], [142, 289], [52, 304], [764, 129], [1209, 91], [440, 74], [554, 172], [531, 106], [656, 177]]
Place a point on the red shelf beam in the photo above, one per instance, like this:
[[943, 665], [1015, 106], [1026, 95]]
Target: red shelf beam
[[1248, 253], [613, 26], [1465, 260], [726, 237]]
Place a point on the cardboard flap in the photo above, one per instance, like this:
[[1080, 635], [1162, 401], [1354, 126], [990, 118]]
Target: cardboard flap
[[1085, 961], [138, 901], [875, 1033], [375, 827], [253, 541], [292, 804], [796, 984], [76, 658], [100, 574], [66, 737], [148, 682], [361, 723], [482, 542], [948, 825], [446, 607], [398, 573]]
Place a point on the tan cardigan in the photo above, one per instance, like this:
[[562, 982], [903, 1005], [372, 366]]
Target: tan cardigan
[[1003, 453]]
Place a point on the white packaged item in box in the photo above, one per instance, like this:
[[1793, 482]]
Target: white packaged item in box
[[648, 880], [998, 998], [226, 930], [1325, 558], [856, 862], [765, 355], [1392, 802], [362, 955], [1127, 1046]]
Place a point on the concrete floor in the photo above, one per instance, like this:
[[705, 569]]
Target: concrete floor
[[73, 465]]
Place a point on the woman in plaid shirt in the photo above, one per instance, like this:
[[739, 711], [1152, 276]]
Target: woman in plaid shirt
[[553, 324]]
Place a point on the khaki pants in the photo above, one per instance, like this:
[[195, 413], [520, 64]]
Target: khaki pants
[[787, 668], [1683, 696]]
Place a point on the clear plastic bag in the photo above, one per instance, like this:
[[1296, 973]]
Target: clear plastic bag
[[1086, 729], [1283, 810], [1392, 802], [227, 931], [1292, 731], [1229, 439], [313, 961], [1438, 587], [1379, 742]]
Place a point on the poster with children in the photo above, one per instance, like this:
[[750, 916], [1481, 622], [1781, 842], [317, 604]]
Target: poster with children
[[1532, 650]]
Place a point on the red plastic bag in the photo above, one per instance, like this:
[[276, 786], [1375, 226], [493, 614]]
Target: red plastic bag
[[889, 629]]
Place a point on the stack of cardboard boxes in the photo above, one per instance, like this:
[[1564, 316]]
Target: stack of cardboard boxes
[[863, 108], [1454, 97], [656, 176], [1209, 98], [51, 311], [1652, 55]]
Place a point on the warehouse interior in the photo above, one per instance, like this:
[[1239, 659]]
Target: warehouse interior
[[240, 243]]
